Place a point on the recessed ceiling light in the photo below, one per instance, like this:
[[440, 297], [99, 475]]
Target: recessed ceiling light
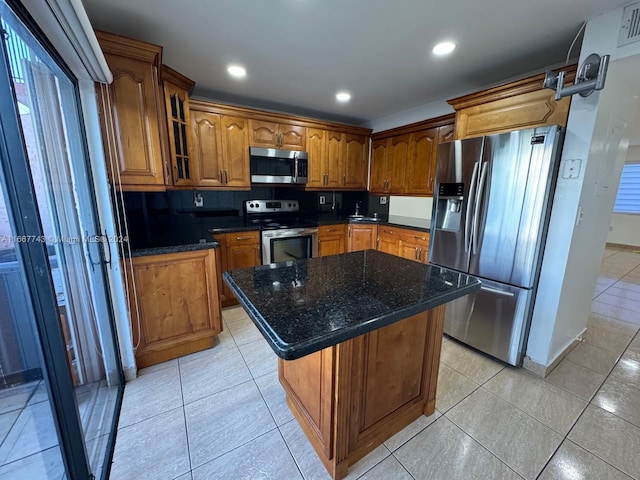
[[236, 71], [343, 96], [444, 48]]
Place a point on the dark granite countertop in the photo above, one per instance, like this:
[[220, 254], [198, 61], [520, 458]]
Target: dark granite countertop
[[230, 224], [173, 238], [304, 306], [188, 247], [188, 237], [411, 223]]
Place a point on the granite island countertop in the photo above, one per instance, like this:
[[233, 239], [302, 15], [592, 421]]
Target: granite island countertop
[[304, 306]]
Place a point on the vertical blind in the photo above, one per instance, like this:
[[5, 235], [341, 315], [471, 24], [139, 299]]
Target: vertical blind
[[628, 199]]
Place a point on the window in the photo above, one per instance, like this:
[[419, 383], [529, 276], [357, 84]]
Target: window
[[628, 199], [61, 381]]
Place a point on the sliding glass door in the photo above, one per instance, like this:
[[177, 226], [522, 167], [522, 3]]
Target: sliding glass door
[[53, 259]]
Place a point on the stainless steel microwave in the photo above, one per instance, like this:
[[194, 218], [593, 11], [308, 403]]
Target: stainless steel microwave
[[286, 167]]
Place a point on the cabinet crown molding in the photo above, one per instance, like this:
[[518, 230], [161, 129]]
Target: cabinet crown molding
[[416, 127], [266, 116], [511, 89], [170, 75], [129, 47]]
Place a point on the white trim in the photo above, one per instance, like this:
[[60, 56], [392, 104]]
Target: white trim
[[105, 214], [67, 26]]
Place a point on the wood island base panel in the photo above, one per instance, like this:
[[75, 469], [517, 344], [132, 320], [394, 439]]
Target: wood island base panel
[[351, 397], [359, 337]]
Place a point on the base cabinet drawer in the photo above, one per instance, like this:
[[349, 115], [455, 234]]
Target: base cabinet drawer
[[332, 239], [238, 250]]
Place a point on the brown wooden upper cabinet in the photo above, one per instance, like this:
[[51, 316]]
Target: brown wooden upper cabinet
[[512, 106], [403, 160], [177, 88], [220, 145], [356, 161], [277, 135], [131, 114], [337, 160], [388, 164]]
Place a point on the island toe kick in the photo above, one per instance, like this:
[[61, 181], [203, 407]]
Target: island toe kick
[[351, 397]]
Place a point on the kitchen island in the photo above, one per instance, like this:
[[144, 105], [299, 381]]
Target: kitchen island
[[359, 338]]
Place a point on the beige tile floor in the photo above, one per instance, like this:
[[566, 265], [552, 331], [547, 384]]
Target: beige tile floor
[[28, 440], [220, 413]]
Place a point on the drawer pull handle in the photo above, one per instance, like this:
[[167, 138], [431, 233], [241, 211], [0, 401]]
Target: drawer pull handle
[[420, 238], [243, 238], [332, 230]]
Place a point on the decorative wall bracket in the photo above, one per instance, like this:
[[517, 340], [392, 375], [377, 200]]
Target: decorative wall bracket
[[590, 78]]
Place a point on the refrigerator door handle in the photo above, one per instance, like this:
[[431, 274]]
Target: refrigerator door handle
[[476, 208], [468, 216], [496, 291]]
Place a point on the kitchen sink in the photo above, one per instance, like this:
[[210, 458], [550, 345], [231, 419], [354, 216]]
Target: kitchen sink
[[363, 218]]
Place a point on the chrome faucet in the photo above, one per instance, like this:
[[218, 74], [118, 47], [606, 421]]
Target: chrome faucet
[[358, 208]]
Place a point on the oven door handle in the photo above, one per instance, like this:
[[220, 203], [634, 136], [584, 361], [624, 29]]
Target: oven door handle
[[290, 232], [295, 168]]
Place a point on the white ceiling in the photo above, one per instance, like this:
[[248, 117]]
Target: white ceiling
[[299, 53]]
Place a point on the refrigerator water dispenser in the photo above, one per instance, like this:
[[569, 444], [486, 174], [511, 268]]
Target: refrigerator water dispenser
[[449, 206]]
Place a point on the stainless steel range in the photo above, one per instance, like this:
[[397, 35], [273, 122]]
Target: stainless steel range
[[285, 236]]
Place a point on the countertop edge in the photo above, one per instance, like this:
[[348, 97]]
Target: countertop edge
[[249, 228], [189, 247]]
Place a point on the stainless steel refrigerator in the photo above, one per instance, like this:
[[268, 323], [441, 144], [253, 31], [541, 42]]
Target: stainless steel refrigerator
[[491, 209]]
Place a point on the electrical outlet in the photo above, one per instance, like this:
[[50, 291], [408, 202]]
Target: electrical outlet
[[383, 200], [323, 199], [198, 201]]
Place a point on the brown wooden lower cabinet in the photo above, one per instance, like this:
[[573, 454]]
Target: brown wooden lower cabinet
[[410, 244], [350, 398], [332, 239], [238, 250], [174, 304], [414, 245], [389, 240], [362, 237]]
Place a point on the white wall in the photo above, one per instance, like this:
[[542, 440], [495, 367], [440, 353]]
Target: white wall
[[597, 135], [417, 114], [625, 229], [416, 207]]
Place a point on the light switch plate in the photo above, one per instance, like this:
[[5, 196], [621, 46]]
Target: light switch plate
[[323, 199]]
